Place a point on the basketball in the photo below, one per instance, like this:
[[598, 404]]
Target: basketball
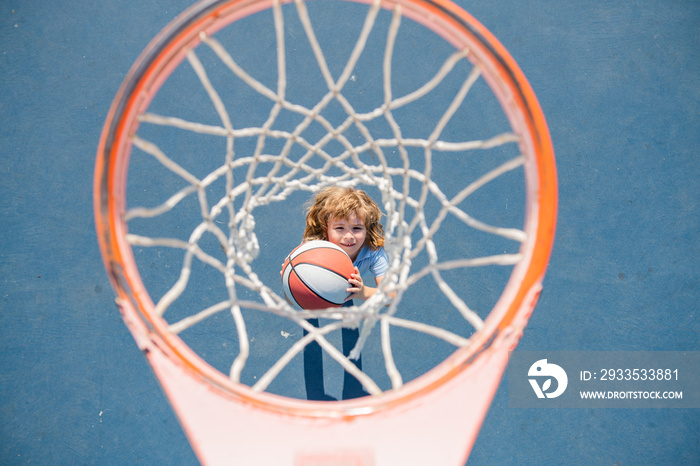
[[315, 275]]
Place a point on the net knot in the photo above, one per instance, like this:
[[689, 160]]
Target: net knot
[[245, 241]]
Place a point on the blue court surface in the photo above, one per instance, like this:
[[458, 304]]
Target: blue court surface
[[618, 84]]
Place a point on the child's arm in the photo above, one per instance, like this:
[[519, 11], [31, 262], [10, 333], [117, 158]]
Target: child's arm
[[359, 290]]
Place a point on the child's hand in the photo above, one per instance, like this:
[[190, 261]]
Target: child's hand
[[356, 286]]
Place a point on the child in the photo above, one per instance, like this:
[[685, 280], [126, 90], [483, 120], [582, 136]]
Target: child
[[348, 218]]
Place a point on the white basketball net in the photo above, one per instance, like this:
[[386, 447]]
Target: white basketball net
[[405, 218]]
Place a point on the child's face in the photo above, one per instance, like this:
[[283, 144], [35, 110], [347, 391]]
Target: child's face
[[349, 234]]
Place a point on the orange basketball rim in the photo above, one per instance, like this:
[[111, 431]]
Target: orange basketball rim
[[432, 420]]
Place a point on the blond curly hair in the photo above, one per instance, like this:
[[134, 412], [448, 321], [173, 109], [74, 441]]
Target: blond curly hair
[[340, 203]]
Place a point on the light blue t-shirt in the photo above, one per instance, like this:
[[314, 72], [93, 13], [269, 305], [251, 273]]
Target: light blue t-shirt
[[373, 261]]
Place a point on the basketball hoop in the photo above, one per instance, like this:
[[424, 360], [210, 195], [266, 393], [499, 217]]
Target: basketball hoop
[[295, 143]]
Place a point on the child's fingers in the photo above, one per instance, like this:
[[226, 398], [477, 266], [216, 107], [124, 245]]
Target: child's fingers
[[355, 280], [355, 284]]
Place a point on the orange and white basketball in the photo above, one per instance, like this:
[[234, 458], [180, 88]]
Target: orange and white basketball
[[315, 275]]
